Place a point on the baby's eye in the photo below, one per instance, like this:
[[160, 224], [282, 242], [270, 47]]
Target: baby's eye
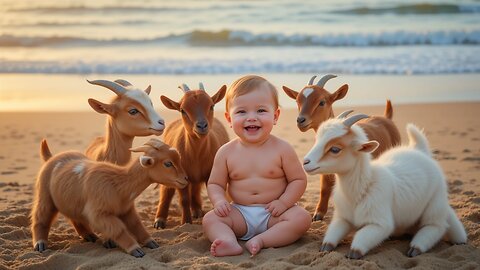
[[240, 111], [168, 164], [133, 111], [262, 110], [334, 150]]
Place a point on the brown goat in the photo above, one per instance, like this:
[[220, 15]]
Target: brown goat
[[315, 106], [197, 136], [130, 114], [99, 196]]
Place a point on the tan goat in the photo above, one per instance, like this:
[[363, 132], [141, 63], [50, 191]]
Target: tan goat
[[99, 196], [130, 114], [315, 106], [197, 136]]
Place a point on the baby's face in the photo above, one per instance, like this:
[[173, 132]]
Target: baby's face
[[253, 115]]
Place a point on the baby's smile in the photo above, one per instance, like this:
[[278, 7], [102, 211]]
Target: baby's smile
[[251, 128]]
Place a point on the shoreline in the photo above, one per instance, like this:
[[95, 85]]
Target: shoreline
[[69, 92]]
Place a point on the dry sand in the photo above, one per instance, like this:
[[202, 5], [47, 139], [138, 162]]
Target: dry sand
[[453, 130]]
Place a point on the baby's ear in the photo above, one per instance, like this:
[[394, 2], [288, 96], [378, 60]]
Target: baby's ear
[[368, 147], [228, 118]]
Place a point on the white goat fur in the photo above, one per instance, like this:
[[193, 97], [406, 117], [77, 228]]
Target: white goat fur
[[403, 190]]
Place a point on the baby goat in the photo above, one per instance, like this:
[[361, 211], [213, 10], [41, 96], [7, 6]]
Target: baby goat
[[130, 114], [315, 106], [403, 190], [99, 196], [197, 136]]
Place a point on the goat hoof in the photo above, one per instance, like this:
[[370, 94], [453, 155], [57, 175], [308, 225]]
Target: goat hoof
[[152, 244], [327, 247], [317, 217], [90, 237], [160, 223], [40, 246], [413, 251], [197, 213], [137, 253], [109, 244], [354, 254]]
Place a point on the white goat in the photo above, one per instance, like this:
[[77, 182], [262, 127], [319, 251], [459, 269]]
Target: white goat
[[99, 196], [403, 190]]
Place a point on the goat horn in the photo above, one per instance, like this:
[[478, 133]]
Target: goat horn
[[115, 87], [123, 82], [353, 119], [142, 148], [324, 79], [201, 86], [154, 143], [311, 80], [184, 88], [344, 114]]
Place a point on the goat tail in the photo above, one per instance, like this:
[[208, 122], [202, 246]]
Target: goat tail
[[388, 110], [417, 139], [456, 232], [45, 151]]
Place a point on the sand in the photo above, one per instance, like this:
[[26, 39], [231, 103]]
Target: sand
[[452, 128]]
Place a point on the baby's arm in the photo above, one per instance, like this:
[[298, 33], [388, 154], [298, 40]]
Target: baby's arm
[[217, 183], [296, 178]]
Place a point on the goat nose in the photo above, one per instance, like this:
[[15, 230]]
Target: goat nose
[[306, 161], [300, 119], [202, 125], [161, 122], [186, 178]]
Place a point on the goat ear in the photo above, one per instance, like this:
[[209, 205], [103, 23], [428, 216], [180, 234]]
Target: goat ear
[[146, 161], [369, 147], [170, 104], [291, 93], [220, 94], [149, 88], [100, 107], [340, 93]]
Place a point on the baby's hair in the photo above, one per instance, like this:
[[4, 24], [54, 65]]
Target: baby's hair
[[247, 84]]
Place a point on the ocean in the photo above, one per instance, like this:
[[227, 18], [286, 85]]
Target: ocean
[[226, 37], [48, 48]]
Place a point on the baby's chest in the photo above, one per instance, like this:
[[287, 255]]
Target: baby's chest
[[262, 166]]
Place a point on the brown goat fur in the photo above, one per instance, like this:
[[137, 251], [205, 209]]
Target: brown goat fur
[[197, 136], [99, 196], [315, 106], [129, 114]]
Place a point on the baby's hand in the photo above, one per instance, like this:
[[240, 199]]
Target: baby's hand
[[222, 208], [276, 208]]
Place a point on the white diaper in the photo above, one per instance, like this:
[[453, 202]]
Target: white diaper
[[256, 217]]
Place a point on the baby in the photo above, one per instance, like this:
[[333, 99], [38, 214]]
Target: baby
[[260, 172]]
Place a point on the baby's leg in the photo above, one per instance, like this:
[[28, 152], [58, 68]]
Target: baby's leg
[[223, 232], [282, 230]]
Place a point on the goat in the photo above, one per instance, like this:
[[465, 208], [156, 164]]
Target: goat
[[130, 114], [315, 106], [403, 190], [99, 196], [197, 136]]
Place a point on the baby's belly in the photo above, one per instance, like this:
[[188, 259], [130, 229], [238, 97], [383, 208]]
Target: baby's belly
[[256, 191]]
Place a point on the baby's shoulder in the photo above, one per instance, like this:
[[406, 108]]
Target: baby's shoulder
[[279, 142]]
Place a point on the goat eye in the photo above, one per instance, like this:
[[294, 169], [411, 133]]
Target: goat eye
[[335, 150], [183, 112], [322, 103], [168, 164], [133, 111], [211, 108]]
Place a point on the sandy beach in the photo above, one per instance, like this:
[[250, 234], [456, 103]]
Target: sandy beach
[[452, 128]]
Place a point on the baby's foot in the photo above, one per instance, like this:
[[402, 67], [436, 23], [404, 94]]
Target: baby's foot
[[254, 245], [221, 248]]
